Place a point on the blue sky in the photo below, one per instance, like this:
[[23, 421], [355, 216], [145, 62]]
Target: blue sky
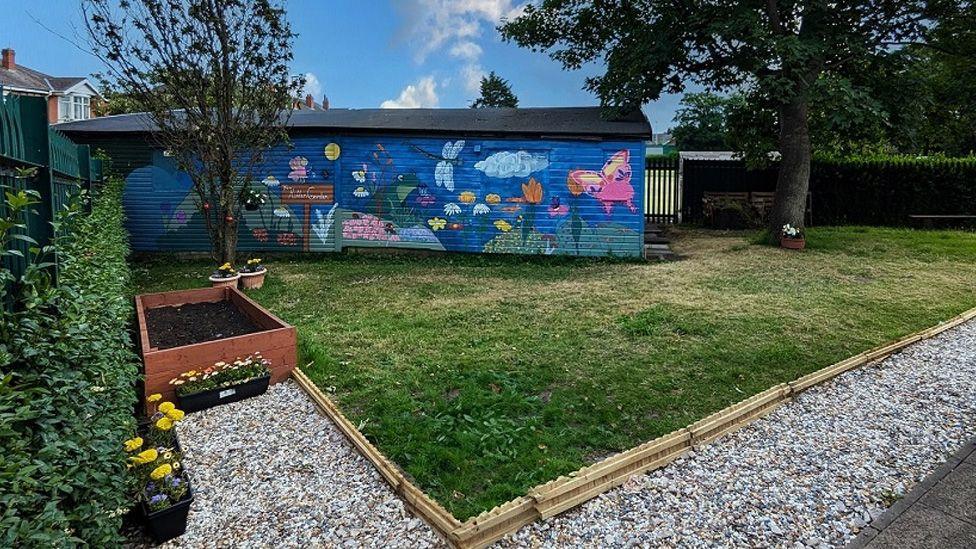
[[361, 53]]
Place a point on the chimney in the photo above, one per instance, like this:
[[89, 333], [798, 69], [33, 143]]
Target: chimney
[[325, 102], [309, 102], [8, 59]]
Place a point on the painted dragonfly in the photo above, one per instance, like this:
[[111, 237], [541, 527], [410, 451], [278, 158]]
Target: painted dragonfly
[[444, 171]]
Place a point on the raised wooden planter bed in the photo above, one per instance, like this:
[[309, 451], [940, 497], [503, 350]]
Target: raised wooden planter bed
[[273, 338]]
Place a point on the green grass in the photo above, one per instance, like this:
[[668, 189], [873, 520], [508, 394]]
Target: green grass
[[484, 376]]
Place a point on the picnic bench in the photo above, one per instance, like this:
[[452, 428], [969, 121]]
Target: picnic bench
[[759, 202], [930, 220]]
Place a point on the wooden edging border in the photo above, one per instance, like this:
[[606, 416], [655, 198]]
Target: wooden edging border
[[584, 484]]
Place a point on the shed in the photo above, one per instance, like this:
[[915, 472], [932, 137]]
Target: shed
[[525, 181]]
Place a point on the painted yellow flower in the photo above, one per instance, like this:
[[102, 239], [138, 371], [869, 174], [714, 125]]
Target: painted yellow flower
[[164, 424], [467, 197], [161, 471], [175, 415], [145, 456], [503, 226], [437, 223], [133, 444], [493, 198], [166, 407], [154, 397]]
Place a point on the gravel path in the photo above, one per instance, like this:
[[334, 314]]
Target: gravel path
[[272, 471], [811, 474]]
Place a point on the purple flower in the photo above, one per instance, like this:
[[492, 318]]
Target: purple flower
[[157, 415], [150, 487], [177, 482], [181, 216], [158, 498]]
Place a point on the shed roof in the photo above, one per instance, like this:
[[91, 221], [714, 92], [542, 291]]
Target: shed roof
[[549, 121]]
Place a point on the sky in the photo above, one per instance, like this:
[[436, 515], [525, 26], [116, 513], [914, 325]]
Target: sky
[[360, 53]]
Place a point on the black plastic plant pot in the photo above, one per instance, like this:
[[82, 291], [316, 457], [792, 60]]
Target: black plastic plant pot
[[195, 402], [168, 523]]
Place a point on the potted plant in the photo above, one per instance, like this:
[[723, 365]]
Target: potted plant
[[253, 199], [252, 275], [792, 238], [222, 383], [157, 474], [225, 275]]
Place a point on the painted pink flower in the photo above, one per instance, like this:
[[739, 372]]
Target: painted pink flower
[[556, 209]]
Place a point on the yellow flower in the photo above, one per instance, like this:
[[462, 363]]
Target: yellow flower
[[503, 226], [175, 415], [154, 397], [166, 407], [145, 456], [467, 197], [161, 471], [164, 424], [437, 223], [133, 444], [493, 198]]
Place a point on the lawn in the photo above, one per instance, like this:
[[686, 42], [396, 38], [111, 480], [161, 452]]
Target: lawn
[[484, 376]]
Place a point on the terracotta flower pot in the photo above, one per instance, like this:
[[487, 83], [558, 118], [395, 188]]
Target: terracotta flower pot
[[253, 281], [793, 243], [220, 282]]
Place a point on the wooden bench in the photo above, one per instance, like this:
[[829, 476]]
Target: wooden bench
[[930, 220], [761, 202]]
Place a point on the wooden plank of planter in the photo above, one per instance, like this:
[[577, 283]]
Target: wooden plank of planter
[[490, 526], [442, 521], [738, 415]]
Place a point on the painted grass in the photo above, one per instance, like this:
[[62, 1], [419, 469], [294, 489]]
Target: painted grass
[[484, 376]]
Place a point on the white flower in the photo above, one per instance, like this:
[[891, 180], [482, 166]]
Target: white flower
[[360, 192], [271, 181], [481, 209], [96, 388], [451, 209]]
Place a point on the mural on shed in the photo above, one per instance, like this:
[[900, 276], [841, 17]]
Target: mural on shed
[[495, 196]]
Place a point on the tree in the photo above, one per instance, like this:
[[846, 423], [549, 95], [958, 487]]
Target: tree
[[212, 76], [776, 51], [701, 123], [495, 92]]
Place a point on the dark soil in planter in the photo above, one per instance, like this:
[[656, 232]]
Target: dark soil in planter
[[195, 323]]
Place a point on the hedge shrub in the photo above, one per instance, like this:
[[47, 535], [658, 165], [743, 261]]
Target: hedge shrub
[[67, 391]]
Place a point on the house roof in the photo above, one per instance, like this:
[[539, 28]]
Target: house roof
[[542, 122], [29, 79]]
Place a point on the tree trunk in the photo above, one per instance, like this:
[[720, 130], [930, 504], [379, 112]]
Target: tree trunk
[[793, 180], [228, 248]]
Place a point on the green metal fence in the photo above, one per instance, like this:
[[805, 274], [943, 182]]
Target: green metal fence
[[60, 168]]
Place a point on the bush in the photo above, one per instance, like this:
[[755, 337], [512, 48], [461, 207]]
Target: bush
[[67, 391]]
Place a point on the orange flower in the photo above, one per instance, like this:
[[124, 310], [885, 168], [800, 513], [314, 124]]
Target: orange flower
[[574, 186], [532, 192]]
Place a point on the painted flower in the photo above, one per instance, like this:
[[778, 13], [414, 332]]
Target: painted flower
[[481, 209], [493, 198], [532, 192], [133, 444], [282, 212], [167, 406], [456, 226], [426, 200], [261, 235], [271, 182], [437, 223], [161, 471], [164, 424], [503, 226], [451, 209], [181, 217], [556, 209], [288, 239], [360, 192], [467, 197]]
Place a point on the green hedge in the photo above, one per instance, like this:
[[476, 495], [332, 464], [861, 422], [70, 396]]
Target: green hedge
[[885, 191], [67, 392]]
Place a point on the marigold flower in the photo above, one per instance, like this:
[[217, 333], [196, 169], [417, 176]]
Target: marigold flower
[[154, 397], [161, 471], [166, 407], [133, 444], [146, 456], [164, 424], [175, 414]]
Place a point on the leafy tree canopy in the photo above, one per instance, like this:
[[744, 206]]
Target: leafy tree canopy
[[700, 123], [495, 92]]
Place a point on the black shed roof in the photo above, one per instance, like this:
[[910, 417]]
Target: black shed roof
[[540, 122]]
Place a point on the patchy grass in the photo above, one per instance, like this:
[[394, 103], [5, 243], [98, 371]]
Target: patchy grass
[[483, 376]]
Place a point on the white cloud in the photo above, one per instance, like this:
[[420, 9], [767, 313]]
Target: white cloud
[[471, 75], [466, 49], [506, 164], [312, 86], [422, 94]]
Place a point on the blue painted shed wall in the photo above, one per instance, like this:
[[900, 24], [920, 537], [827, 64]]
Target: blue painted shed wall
[[395, 191]]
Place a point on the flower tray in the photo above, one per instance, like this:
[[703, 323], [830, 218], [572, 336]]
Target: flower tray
[[195, 402], [169, 523], [275, 340]]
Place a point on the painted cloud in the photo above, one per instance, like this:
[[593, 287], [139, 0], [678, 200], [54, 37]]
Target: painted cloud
[[512, 164]]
